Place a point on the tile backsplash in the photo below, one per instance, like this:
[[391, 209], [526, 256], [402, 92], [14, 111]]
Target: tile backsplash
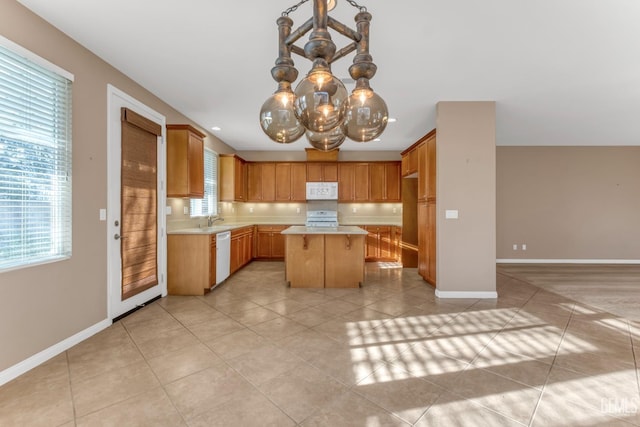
[[290, 213]]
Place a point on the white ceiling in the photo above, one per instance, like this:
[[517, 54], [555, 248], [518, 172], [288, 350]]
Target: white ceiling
[[563, 72]]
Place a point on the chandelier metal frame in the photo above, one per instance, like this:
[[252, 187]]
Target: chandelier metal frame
[[322, 51]]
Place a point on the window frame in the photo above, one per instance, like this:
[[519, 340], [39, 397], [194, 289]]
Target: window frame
[[58, 143]]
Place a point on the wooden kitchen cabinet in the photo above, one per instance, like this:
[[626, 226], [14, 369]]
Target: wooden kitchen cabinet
[[322, 172], [269, 242], [232, 178], [191, 263], [427, 169], [261, 182], [409, 161], [185, 161], [353, 182], [381, 243], [427, 241], [290, 182], [241, 248], [384, 182]]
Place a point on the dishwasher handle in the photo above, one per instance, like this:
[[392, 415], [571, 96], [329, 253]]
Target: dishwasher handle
[[225, 235]]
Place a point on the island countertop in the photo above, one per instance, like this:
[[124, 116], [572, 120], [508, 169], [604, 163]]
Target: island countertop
[[342, 229]]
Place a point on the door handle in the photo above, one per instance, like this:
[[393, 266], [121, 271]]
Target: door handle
[[118, 237]]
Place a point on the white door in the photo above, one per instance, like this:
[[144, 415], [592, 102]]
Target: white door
[[117, 304]]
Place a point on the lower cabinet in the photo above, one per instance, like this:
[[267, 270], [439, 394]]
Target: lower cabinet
[[241, 248], [427, 241], [382, 243], [269, 241], [191, 263]]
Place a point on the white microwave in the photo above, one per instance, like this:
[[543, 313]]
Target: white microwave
[[322, 191]]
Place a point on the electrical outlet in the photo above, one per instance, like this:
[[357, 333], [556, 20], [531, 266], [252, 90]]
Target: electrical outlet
[[524, 246], [515, 247], [354, 210], [297, 210], [186, 210], [250, 210], [394, 210]]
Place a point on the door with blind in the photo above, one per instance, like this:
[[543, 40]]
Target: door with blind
[[137, 254]]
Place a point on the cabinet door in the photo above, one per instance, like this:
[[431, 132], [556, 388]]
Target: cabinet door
[[263, 244], [431, 243], [423, 172], [392, 186], [371, 244], [298, 182], [423, 242], [196, 166], [283, 182], [385, 245], [330, 172], [431, 161], [254, 182], [235, 254], [361, 182], [268, 182], [413, 161], [314, 172], [248, 248], [277, 245], [239, 181], [377, 182], [345, 181]]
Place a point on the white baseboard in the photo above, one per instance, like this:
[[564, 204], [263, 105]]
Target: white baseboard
[[567, 261], [465, 294], [46, 354]]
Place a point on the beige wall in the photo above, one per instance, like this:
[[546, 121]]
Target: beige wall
[[43, 305], [466, 182], [568, 203]]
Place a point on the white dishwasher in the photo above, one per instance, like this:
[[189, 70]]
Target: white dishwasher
[[223, 256]]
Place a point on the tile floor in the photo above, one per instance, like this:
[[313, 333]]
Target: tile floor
[[256, 353]]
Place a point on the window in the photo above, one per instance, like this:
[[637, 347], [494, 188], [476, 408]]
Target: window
[[35, 159], [208, 205]]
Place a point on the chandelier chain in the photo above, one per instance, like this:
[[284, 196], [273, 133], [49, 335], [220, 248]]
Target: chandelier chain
[[294, 8], [357, 6]]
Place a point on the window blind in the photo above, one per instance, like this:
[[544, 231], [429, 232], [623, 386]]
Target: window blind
[[208, 205], [35, 162]]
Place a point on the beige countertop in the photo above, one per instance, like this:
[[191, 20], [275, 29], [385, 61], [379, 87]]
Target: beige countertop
[[343, 229], [219, 228]]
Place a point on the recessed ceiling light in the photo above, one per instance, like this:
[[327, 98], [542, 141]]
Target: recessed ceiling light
[[377, 140], [216, 128], [392, 120]]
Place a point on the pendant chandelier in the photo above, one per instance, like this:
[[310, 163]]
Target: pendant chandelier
[[321, 106]]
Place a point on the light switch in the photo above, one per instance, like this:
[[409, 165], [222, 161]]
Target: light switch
[[451, 214], [168, 210], [103, 214]]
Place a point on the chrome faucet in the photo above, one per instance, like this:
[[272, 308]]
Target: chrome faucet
[[211, 220]]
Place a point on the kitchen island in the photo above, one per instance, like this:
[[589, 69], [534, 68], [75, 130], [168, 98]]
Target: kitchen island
[[324, 257]]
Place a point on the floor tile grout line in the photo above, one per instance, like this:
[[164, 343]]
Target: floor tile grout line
[[73, 403]]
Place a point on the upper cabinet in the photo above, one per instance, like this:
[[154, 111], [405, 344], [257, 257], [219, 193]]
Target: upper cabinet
[[185, 161], [384, 182], [427, 169], [410, 161], [261, 182], [353, 182], [232, 178], [291, 181], [322, 172]]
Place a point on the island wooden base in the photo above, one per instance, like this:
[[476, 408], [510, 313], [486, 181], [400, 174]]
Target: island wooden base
[[324, 260]]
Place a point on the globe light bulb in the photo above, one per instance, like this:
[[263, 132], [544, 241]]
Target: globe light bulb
[[366, 116], [278, 120], [320, 101], [326, 141]]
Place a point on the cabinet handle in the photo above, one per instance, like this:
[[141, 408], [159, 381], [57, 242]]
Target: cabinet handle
[[348, 241], [305, 244]]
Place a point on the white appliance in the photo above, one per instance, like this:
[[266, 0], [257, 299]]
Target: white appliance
[[322, 191], [322, 218], [223, 256]]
